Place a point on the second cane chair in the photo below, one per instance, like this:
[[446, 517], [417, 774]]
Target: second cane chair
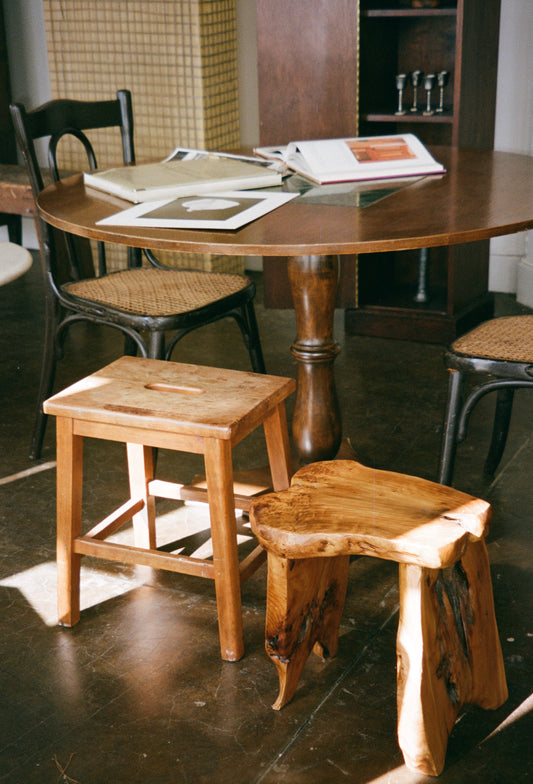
[[142, 302], [500, 353]]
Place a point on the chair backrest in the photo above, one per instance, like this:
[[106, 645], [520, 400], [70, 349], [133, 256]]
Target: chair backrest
[[55, 120]]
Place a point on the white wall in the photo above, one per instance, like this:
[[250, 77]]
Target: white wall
[[26, 47], [511, 267]]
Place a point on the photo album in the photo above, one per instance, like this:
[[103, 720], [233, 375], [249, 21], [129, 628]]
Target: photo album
[[356, 159]]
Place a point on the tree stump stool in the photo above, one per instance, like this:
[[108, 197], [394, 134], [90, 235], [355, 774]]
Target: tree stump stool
[[448, 650], [147, 403]]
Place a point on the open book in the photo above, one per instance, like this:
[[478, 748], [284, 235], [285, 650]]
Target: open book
[[185, 172], [361, 158]]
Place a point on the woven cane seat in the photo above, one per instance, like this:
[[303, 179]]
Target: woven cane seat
[[509, 338], [157, 292]]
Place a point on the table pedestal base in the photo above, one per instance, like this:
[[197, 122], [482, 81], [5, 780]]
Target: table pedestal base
[[316, 424]]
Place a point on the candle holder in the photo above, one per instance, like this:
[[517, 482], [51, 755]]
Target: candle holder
[[400, 86], [421, 295], [443, 78], [416, 78], [429, 81]]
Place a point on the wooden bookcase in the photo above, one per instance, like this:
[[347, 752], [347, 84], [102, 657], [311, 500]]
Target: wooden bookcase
[[336, 77], [8, 150]]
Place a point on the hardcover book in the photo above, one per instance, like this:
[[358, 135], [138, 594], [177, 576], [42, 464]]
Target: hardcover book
[[356, 159], [185, 173]]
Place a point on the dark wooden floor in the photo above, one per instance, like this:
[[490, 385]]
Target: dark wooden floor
[[137, 693]]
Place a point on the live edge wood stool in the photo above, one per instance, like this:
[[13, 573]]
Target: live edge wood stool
[[448, 650], [148, 403]]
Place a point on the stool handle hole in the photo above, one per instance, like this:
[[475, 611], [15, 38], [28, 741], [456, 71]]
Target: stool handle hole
[[159, 386]]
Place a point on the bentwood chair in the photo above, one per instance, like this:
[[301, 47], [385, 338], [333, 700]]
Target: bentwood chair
[[499, 353], [142, 302]]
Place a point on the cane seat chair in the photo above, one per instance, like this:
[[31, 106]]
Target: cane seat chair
[[142, 302], [500, 353]]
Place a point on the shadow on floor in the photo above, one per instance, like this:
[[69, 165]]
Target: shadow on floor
[[136, 692]]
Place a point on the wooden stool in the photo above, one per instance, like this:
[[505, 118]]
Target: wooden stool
[[150, 403], [448, 651]]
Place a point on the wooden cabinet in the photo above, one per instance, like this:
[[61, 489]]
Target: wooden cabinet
[[328, 68], [308, 87], [8, 153]]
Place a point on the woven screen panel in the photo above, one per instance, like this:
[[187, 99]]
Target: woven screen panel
[[178, 58]]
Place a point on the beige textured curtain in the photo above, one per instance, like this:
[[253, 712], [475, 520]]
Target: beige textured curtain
[[178, 58]]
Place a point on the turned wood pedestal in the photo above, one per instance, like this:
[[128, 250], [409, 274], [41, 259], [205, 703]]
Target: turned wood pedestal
[[448, 650], [147, 403]]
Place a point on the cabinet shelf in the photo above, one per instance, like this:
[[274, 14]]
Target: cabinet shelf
[[337, 78], [409, 117], [396, 13]]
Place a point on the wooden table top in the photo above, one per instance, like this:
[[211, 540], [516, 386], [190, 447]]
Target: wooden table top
[[483, 194]]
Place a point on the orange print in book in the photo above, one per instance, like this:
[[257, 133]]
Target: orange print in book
[[381, 150]]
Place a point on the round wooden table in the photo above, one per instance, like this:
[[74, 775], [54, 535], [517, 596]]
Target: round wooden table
[[483, 194]]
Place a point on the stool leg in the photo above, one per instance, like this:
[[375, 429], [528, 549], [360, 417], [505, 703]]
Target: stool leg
[[141, 471], [69, 499], [219, 476], [448, 654], [305, 600], [278, 447]]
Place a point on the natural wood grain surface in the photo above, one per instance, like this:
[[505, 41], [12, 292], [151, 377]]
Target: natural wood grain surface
[[343, 508], [483, 194], [173, 398], [449, 654], [448, 650], [305, 600]]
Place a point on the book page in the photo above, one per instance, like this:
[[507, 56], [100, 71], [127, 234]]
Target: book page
[[328, 155]]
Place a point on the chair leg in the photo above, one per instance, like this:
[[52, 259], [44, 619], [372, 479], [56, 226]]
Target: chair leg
[[252, 339], [305, 600], [448, 653], [14, 227], [46, 383], [69, 498], [450, 429], [156, 349], [500, 429]]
